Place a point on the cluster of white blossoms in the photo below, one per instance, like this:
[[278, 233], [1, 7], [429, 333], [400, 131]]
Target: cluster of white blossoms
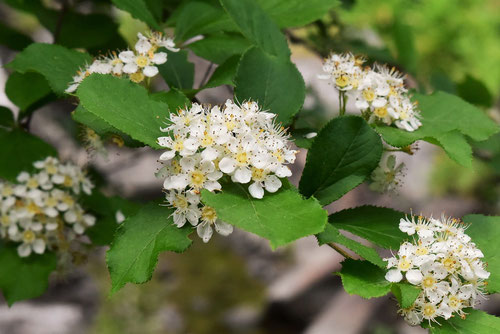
[[136, 64], [379, 92], [387, 176], [206, 143], [41, 211], [442, 261]]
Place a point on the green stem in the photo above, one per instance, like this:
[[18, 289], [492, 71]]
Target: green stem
[[340, 251]]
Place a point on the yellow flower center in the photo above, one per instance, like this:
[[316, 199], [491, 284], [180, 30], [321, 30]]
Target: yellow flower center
[[342, 81], [32, 183], [28, 236], [258, 174], [230, 125], [51, 202], [142, 61], [449, 263], [180, 202], [404, 264], [403, 115], [207, 140], [380, 112], [197, 178], [428, 282], [208, 214], [392, 91], [68, 181], [51, 169], [33, 208], [368, 95], [178, 145], [137, 77], [429, 310], [176, 167], [421, 250], [242, 158], [279, 156], [68, 200], [5, 220]]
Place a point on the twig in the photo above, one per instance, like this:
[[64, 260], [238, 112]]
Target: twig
[[205, 76], [340, 251], [62, 13]]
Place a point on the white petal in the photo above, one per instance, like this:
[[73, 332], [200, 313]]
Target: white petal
[[414, 276], [24, 250], [142, 46], [223, 228], [204, 231], [130, 68], [256, 190], [176, 182], [191, 144], [159, 58], [165, 141], [394, 276], [78, 228], [179, 219], [227, 165], [283, 171], [209, 154], [212, 185], [150, 71], [167, 155], [272, 183], [70, 216], [127, 56], [243, 175], [39, 246]]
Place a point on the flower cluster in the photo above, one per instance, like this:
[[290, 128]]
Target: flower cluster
[[136, 64], [205, 143], [41, 210], [379, 92], [444, 262]]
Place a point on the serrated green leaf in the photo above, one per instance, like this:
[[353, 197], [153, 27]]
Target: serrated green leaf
[[138, 242], [405, 293], [476, 322], [256, 25], [24, 278], [178, 72], [442, 113], [6, 117], [378, 225], [125, 106], [219, 47], [269, 81], [197, 18], [294, 13], [332, 234], [18, 151], [364, 279], [13, 39], [281, 217], [138, 9], [225, 73], [56, 63], [484, 231], [341, 157], [15, 89], [455, 145], [174, 98], [105, 209]]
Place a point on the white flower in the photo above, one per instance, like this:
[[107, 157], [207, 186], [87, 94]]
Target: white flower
[[443, 262], [209, 218], [186, 207]]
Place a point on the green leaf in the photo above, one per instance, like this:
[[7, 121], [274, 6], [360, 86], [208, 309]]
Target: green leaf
[[378, 225], [19, 150], [124, 105], [56, 63], [477, 322], [219, 47], [455, 145], [197, 18], [225, 73], [178, 71], [484, 231], [341, 157], [405, 293], [13, 39], [6, 117], [24, 278], [174, 98], [138, 9], [332, 234], [257, 26], [475, 92], [269, 81], [295, 13], [443, 113], [281, 217], [105, 209], [364, 279], [15, 89], [138, 242]]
